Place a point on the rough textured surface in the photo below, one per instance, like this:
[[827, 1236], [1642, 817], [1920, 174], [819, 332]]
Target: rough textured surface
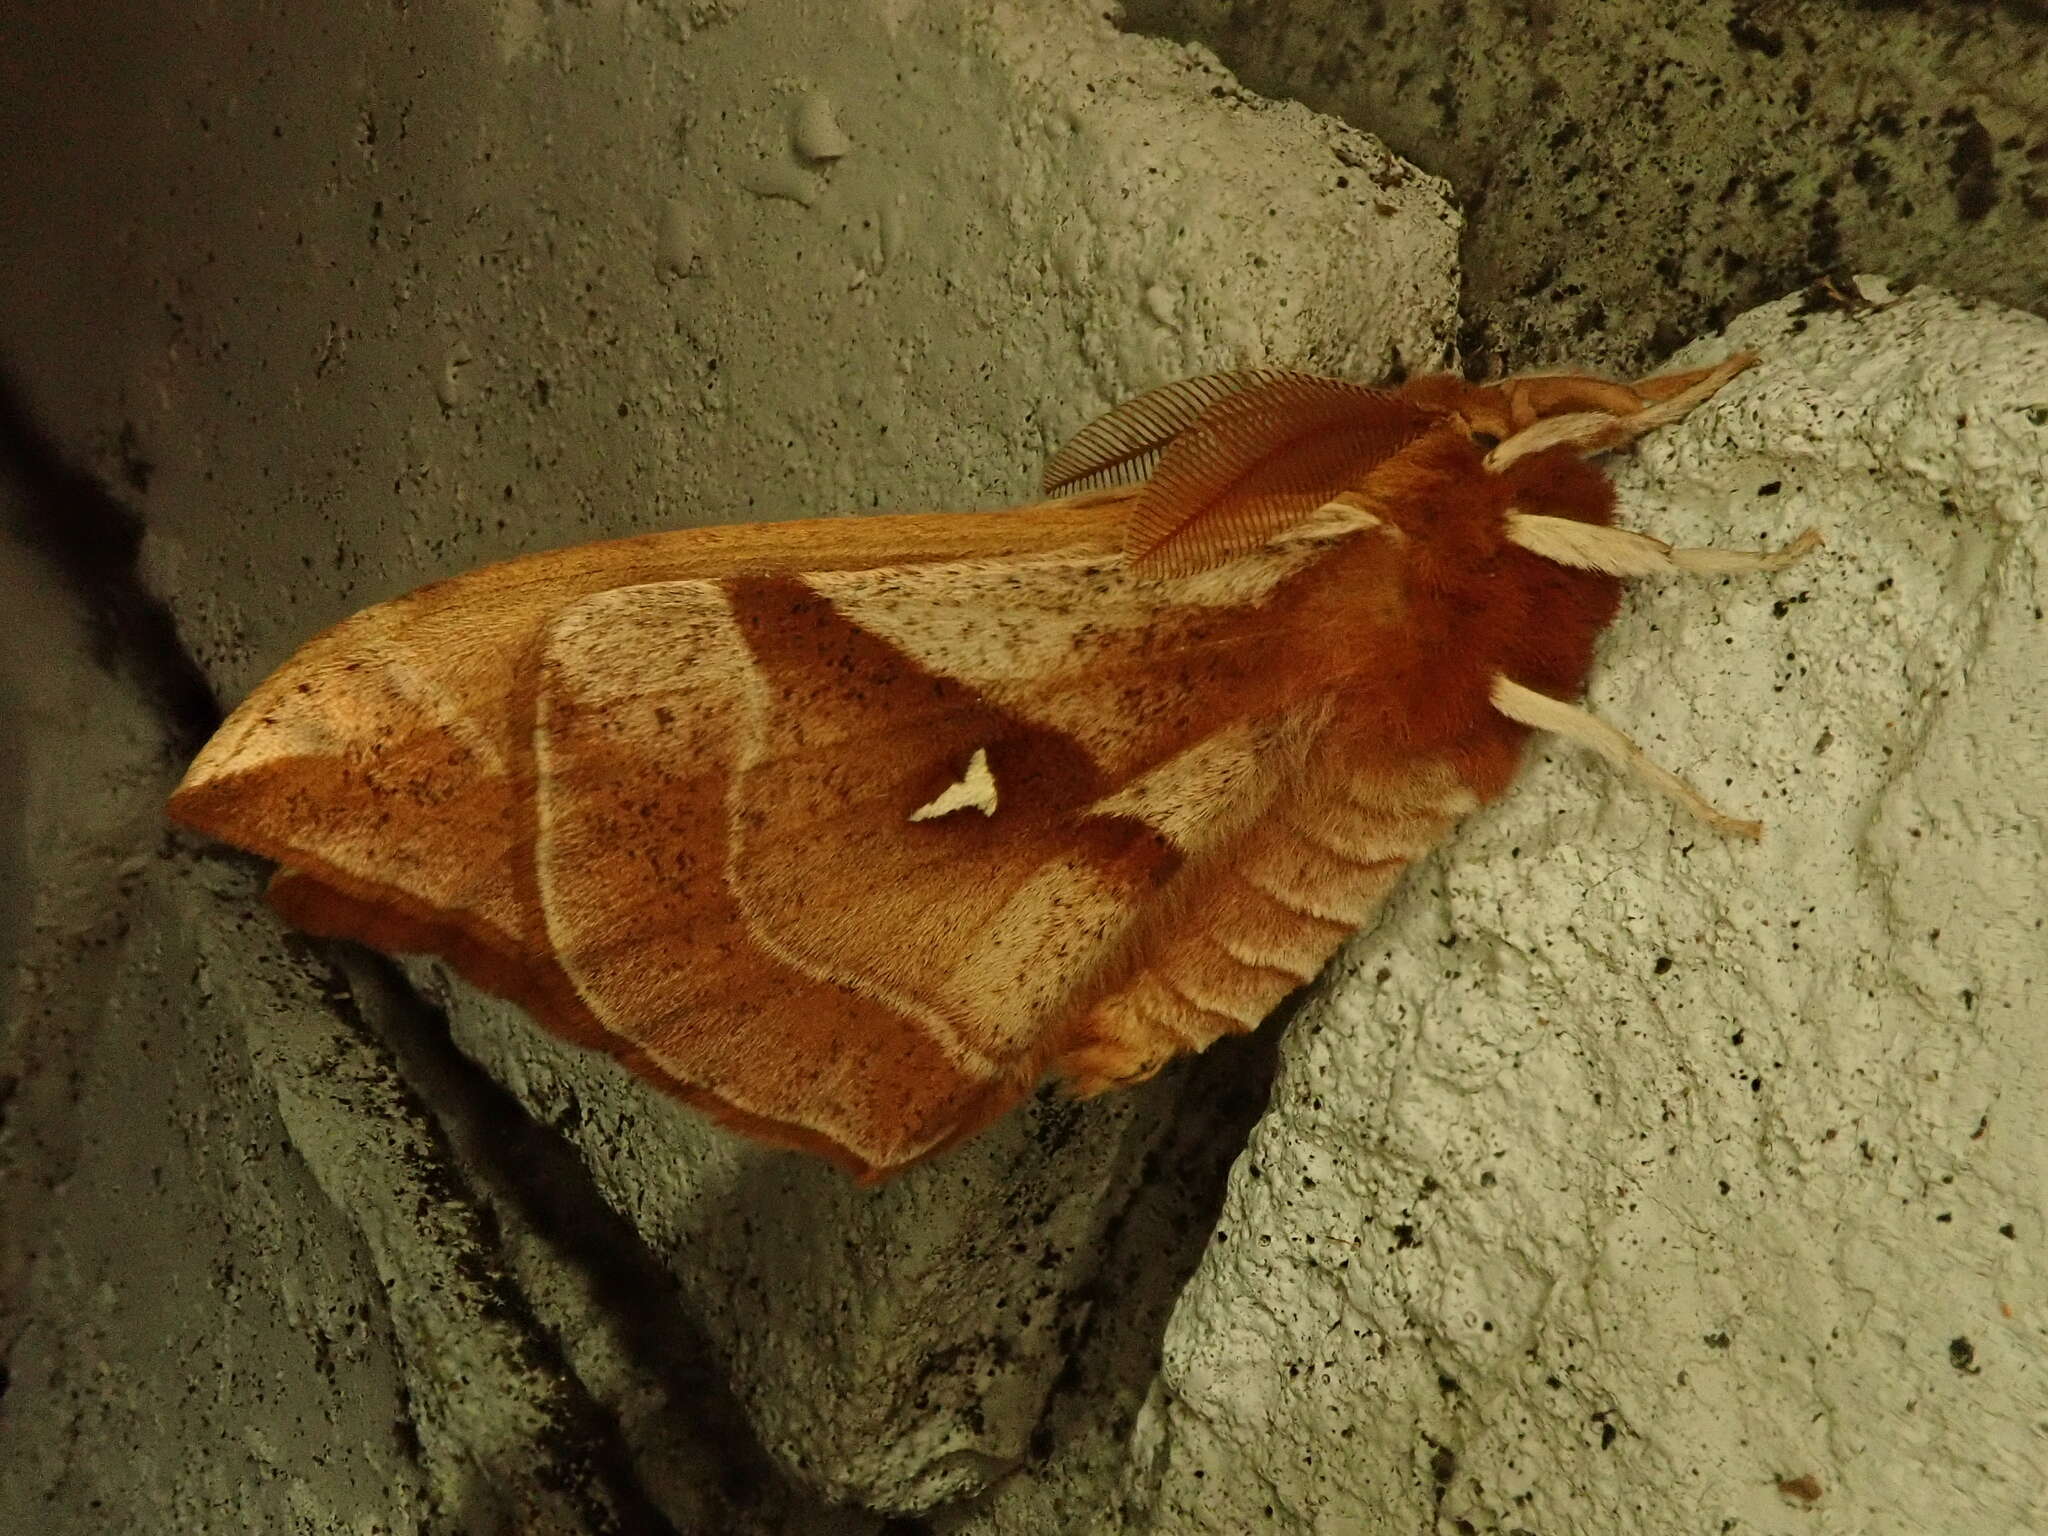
[[1635, 176], [1625, 1177], [1545, 1232], [582, 282], [245, 1368], [377, 295]]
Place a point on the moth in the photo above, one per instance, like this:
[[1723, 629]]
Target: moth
[[850, 831]]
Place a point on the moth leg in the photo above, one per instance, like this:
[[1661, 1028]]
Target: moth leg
[[1619, 552], [1131, 1035], [1668, 386], [1103, 1065], [1544, 713], [1610, 423]]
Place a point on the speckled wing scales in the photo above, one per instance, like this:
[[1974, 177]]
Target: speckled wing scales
[[425, 703], [671, 794], [1269, 905], [388, 765], [733, 876]]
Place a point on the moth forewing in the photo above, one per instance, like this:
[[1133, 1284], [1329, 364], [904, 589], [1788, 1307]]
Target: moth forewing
[[848, 831]]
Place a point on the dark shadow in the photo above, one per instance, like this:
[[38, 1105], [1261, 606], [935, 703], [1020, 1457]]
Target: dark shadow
[[532, 1170], [90, 537], [1633, 180], [1184, 1140]]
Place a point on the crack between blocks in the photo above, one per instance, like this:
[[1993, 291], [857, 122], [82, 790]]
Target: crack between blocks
[[1151, 1247], [91, 538], [577, 1463], [524, 1171]]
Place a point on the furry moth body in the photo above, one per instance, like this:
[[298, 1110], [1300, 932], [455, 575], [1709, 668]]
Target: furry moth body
[[850, 831]]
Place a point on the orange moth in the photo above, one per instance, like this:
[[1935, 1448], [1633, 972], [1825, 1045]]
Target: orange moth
[[850, 831]]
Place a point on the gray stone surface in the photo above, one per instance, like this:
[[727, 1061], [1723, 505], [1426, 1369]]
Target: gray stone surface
[[1624, 1173], [345, 300], [245, 1283], [1636, 175], [375, 297], [193, 1335]]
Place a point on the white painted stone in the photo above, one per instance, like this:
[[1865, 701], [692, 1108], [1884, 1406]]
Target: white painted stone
[[1623, 1172]]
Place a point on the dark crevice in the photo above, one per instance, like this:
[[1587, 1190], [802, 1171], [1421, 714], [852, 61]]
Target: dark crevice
[[1151, 1247], [90, 537], [538, 1178], [577, 1455]]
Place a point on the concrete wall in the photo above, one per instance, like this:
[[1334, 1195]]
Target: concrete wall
[[1617, 1178], [1636, 174], [1627, 1178]]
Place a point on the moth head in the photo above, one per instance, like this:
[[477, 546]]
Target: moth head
[[1528, 413], [1590, 415], [1484, 412]]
